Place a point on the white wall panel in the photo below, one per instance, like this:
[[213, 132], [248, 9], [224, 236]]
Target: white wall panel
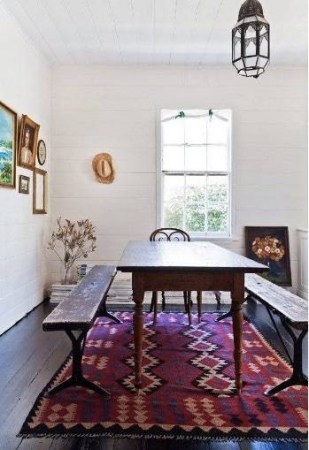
[[25, 86], [115, 110]]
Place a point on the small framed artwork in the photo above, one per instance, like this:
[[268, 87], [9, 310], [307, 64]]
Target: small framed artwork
[[28, 139], [24, 183], [41, 152], [39, 191], [270, 246], [8, 146]]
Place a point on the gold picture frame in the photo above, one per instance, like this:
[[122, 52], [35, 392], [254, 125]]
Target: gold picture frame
[[8, 146], [28, 140], [39, 191]]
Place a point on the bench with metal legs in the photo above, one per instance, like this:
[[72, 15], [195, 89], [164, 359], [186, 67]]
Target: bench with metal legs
[[293, 313], [75, 316]]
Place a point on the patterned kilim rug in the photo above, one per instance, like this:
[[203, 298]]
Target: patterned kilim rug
[[188, 393]]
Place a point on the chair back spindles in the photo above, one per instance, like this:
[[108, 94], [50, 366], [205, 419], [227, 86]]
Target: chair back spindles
[[169, 234]]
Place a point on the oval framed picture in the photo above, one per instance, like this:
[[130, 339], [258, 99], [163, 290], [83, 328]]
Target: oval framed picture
[[41, 152]]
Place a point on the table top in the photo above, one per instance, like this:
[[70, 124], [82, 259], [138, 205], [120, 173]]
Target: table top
[[171, 256]]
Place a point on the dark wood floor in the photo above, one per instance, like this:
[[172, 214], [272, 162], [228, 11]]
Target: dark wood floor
[[29, 357]]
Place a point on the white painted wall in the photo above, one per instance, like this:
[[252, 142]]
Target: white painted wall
[[115, 109], [24, 86]]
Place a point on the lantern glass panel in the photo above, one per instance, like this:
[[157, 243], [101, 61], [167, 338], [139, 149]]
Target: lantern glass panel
[[251, 62], [250, 48], [263, 31], [250, 41], [250, 32], [263, 42], [237, 45], [262, 62], [239, 64], [255, 72]]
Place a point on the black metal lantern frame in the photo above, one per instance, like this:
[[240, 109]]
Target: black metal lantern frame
[[250, 40]]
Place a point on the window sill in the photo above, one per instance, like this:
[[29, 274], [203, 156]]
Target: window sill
[[220, 239]]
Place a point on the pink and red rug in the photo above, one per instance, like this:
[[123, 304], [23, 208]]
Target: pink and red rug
[[188, 393]]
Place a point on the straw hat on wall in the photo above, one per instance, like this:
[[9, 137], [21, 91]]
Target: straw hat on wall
[[102, 165]]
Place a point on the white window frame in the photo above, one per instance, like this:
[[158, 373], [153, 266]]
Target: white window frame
[[160, 180]]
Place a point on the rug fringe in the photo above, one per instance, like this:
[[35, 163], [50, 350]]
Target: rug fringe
[[159, 437]]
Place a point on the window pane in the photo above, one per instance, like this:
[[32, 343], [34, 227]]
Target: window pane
[[173, 201], [195, 158], [195, 130], [173, 131], [217, 203], [173, 157], [195, 203], [217, 189], [195, 218], [217, 219], [195, 189], [217, 158], [217, 132]]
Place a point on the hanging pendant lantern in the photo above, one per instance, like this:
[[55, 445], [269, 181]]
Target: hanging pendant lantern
[[250, 40]]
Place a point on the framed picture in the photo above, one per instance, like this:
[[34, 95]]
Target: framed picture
[[41, 152], [8, 146], [270, 246], [39, 191], [24, 183], [28, 139]]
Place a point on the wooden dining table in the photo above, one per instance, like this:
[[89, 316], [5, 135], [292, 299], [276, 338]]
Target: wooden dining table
[[186, 266]]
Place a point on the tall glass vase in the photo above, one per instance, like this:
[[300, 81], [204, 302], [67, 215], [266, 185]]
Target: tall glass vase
[[68, 275]]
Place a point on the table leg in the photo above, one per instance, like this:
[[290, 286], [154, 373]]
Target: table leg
[[138, 327], [199, 305], [236, 309], [155, 306]]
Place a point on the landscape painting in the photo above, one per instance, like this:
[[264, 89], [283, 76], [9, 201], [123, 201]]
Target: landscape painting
[[8, 133]]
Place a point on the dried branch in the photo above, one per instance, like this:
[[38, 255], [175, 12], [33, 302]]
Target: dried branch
[[72, 241]]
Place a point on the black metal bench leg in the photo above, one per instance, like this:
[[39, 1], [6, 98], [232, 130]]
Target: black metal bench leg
[[103, 312], [163, 300], [298, 377], [154, 301], [227, 314], [218, 299], [77, 378]]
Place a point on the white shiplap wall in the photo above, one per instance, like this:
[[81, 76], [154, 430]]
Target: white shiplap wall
[[25, 86], [116, 109]]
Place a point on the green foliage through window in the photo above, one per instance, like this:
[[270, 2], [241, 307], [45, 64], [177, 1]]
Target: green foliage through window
[[196, 170]]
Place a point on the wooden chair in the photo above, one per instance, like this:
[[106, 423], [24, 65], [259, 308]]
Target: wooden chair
[[170, 234]]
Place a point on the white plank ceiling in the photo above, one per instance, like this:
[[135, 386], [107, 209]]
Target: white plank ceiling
[[153, 31]]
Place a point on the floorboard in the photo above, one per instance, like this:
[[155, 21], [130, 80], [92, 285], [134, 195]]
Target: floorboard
[[29, 358], [272, 446]]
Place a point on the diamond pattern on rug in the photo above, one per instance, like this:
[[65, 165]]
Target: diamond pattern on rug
[[151, 381], [208, 361]]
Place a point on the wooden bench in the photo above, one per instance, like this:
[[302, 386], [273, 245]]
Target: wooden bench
[[293, 313], [75, 315]]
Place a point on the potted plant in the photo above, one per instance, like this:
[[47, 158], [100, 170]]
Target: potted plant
[[72, 241]]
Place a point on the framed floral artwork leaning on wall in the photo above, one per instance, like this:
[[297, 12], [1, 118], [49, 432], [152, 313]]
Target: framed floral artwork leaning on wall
[[28, 140], [270, 246], [8, 146]]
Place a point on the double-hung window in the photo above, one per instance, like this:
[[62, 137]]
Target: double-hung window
[[196, 171]]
